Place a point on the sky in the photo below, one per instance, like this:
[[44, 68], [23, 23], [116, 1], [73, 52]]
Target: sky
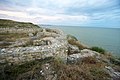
[[93, 13]]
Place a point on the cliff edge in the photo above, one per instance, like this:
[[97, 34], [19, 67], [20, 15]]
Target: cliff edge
[[30, 52]]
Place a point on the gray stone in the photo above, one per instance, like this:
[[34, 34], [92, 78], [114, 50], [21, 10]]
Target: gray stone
[[73, 49], [87, 52], [2, 50], [73, 58], [112, 72], [48, 72], [30, 34]]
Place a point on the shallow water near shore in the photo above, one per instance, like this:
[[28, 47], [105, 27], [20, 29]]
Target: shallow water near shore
[[107, 38]]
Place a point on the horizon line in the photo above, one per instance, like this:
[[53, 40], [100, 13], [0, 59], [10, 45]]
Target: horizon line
[[75, 26]]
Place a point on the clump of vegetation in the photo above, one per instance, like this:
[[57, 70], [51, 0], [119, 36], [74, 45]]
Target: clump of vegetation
[[100, 73], [24, 71], [98, 49], [8, 38], [115, 60], [86, 69], [73, 41], [35, 33], [12, 72], [4, 44], [91, 70], [28, 43], [70, 72], [12, 36], [89, 60]]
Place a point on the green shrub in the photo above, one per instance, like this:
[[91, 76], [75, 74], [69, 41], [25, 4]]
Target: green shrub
[[98, 49]]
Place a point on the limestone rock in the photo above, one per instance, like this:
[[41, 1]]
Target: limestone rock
[[30, 34], [73, 49], [84, 53], [115, 75]]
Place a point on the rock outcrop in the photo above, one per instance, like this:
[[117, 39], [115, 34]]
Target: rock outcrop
[[25, 45], [39, 43], [73, 58], [43, 47]]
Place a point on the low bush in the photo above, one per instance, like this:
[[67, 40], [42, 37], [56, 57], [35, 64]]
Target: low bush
[[76, 43], [98, 49]]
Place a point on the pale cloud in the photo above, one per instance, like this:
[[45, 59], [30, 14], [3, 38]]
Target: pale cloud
[[77, 17], [68, 3], [42, 17], [25, 15], [15, 14], [69, 12], [45, 11]]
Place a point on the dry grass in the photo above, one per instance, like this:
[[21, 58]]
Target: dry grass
[[12, 36], [88, 69], [10, 24], [7, 38], [77, 43]]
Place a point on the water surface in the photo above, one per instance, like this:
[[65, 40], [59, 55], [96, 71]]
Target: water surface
[[107, 38]]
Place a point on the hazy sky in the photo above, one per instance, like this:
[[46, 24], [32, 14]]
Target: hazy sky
[[97, 13]]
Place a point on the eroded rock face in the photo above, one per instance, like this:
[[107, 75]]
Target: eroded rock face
[[39, 44], [115, 75], [87, 52], [73, 58], [56, 46], [73, 49]]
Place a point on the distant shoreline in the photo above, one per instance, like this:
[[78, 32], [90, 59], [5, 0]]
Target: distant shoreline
[[77, 26]]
